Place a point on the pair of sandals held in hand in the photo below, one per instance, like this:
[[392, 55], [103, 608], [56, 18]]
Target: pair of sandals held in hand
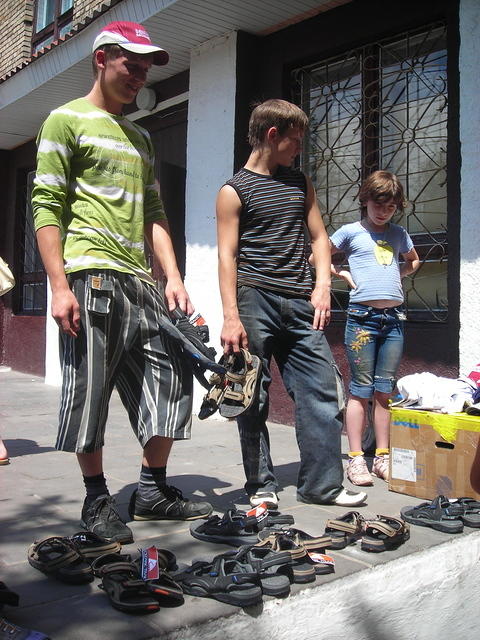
[[233, 391], [233, 383]]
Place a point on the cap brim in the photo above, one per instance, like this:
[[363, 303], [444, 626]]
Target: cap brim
[[160, 56]]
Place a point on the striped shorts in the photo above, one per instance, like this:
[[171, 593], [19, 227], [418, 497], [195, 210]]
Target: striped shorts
[[120, 345]]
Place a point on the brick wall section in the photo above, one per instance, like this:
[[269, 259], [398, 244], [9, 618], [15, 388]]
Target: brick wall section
[[16, 27], [16, 19], [85, 8]]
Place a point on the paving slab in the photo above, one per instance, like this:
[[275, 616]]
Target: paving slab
[[41, 493]]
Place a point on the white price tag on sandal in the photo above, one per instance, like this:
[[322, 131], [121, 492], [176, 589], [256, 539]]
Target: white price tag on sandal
[[321, 558]]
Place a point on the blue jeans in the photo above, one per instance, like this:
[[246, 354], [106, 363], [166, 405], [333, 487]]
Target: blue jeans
[[374, 342], [282, 327]]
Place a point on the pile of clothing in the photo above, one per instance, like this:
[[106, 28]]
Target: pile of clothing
[[429, 392]]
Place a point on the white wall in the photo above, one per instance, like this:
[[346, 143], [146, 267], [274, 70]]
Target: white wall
[[210, 148], [53, 374], [469, 339]]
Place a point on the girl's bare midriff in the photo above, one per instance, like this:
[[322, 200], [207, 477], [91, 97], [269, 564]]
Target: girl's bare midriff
[[380, 304]]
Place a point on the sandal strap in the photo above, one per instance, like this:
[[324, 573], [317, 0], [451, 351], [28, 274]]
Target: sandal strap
[[248, 555], [386, 525], [108, 559], [283, 543], [118, 567], [309, 542], [341, 525], [55, 544], [241, 576], [230, 394], [235, 377]]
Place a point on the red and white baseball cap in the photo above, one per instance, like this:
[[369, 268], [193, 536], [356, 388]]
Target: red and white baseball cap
[[132, 37]]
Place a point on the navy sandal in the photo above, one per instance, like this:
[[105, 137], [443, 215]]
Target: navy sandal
[[438, 514], [237, 527], [224, 579]]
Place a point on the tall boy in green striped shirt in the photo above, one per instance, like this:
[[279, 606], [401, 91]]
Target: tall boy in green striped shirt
[[94, 201]]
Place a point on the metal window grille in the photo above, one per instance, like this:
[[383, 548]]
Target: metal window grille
[[31, 292], [384, 106]]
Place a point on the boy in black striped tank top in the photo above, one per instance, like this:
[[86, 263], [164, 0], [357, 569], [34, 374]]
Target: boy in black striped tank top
[[271, 307]]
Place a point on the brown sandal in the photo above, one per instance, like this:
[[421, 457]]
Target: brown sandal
[[344, 530], [59, 558], [234, 391], [242, 378], [385, 533]]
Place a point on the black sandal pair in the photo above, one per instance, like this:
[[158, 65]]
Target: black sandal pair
[[66, 558], [77, 560], [238, 528], [240, 577], [442, 514], [142, 585], [307, 557], [224, 578]]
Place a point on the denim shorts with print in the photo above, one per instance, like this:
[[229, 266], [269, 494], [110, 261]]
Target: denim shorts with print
[[374, 343]]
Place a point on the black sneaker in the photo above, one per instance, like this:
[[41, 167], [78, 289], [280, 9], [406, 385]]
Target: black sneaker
[[101, 517], [170, 505]]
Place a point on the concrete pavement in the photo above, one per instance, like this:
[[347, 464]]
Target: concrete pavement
[[41, 493]]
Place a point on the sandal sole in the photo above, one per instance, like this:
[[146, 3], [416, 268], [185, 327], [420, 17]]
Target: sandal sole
[[240, 599], [80, 578], [376, 546], [339, 544], [135, 609], [233, 540], [452, 526], [277, 592]]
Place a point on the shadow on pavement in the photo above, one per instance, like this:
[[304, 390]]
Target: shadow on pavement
[[22, 447]]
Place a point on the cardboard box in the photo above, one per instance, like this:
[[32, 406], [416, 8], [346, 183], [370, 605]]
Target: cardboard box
[[432, 454]]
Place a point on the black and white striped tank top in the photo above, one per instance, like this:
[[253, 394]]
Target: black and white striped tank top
[[272, 231]]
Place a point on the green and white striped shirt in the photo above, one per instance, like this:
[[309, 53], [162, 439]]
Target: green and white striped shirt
[[95, 181]]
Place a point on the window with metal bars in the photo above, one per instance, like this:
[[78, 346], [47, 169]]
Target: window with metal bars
[[384, 106], [31, 290], [53, 20]]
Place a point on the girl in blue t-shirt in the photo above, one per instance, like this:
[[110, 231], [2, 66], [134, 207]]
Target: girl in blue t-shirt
[[374, 329]]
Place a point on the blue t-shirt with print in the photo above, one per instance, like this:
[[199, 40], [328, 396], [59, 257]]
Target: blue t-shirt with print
[[373, 259]]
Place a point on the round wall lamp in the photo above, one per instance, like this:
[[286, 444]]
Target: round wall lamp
[[146, 99]]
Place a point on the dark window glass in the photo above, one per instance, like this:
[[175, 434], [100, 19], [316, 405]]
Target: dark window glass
[[53, 19], [31, 293]]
